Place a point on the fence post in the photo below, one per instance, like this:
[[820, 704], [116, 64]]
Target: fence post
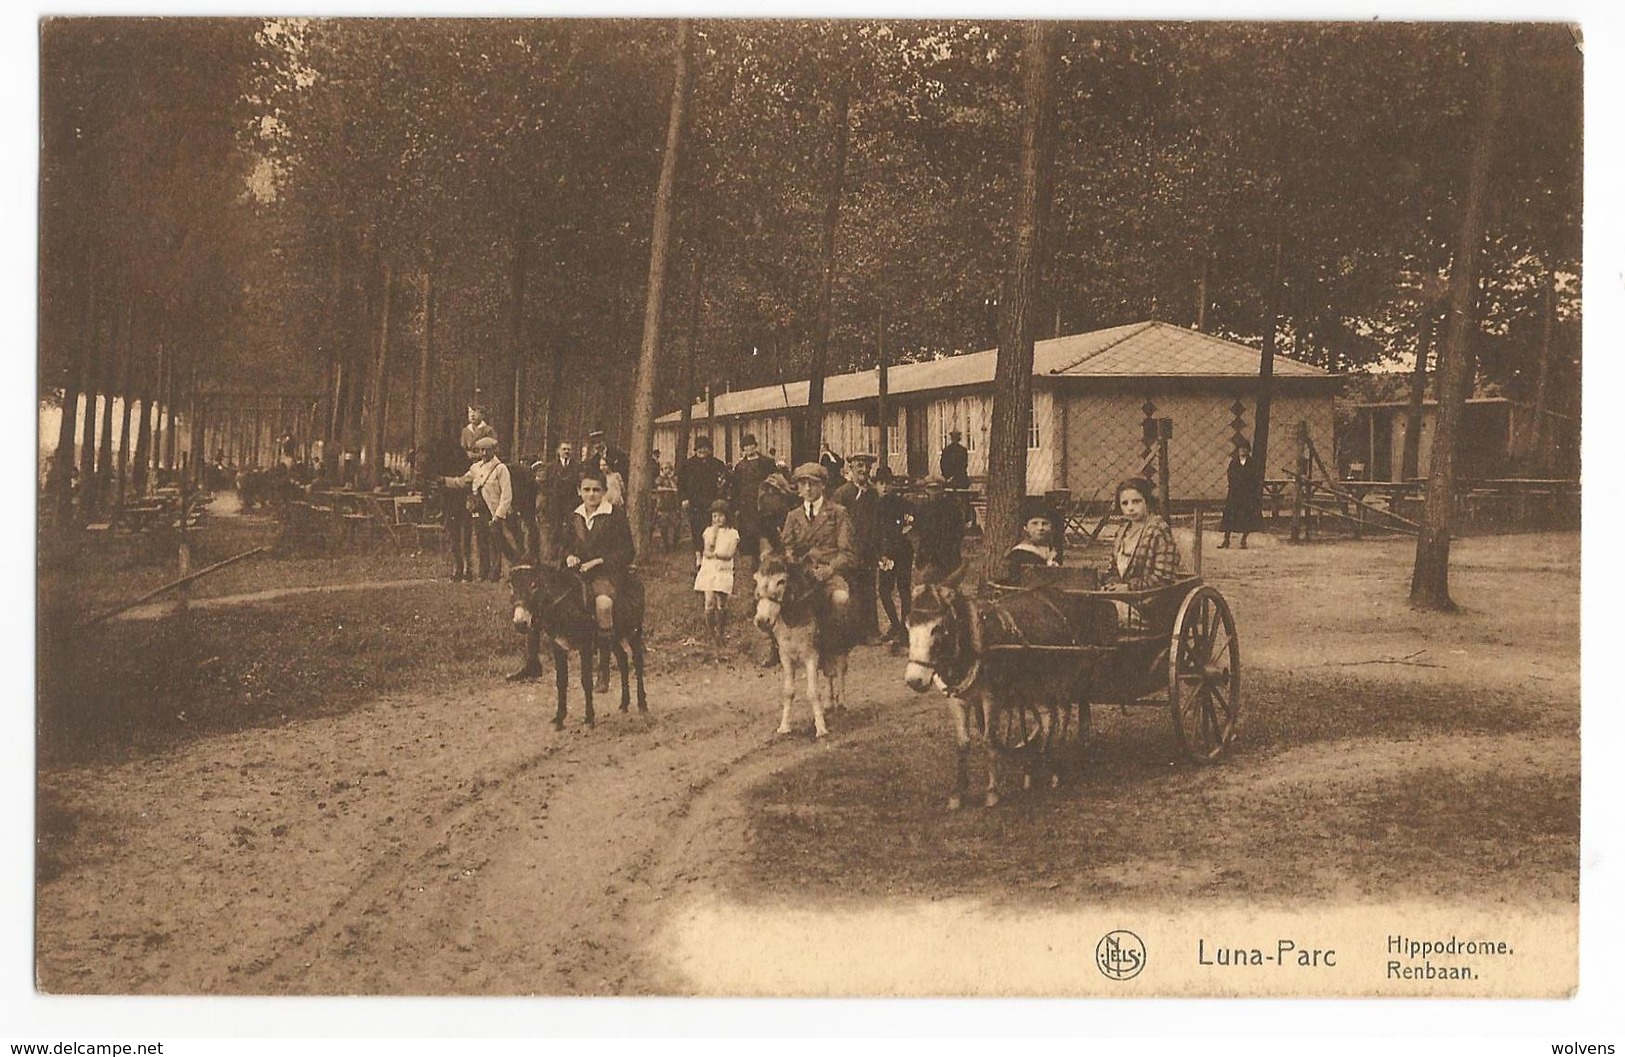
[[1196, 542]]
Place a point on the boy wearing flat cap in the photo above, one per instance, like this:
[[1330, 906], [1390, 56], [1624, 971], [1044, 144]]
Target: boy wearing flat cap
[[818, 533], [491, 491]]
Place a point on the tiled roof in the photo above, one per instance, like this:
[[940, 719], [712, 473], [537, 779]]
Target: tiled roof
[[1136, 350]]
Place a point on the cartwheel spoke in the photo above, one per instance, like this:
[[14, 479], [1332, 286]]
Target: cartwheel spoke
[[1222, 695], [1210, 620]]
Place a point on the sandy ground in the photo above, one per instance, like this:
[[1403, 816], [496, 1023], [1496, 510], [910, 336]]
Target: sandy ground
[[441, 844]]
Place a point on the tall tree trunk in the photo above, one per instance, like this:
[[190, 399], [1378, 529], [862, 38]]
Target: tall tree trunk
[[1266, 363], [639, 486], [1411, 454], [553, 399], [425, 373], [813, 425], [1013, 374], [170, 390], [1430, 580], [126, 399], [685, 418], [193, 459], [1201, 289], [104, 451], [93, 383], [509, 379], [883, 382], [380, 383], [156, 392], [143, 428], [1540, 455], [62, 464]]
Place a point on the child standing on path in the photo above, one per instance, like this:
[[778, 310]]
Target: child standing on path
[[716, 575]]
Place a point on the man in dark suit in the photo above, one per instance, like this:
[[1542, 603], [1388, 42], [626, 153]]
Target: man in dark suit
[[561, 480], [894, 576], [954, 463], [818, 533], [745, 485], [701, 481], [939, 530], [862, 505]]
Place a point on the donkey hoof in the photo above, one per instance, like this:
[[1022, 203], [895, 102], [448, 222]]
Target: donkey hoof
[[1026, 781], [625, 707], [820, 734], [784, 728], [642, 707], [991, 800], [954, 803], [558, 724], [1055, 781]]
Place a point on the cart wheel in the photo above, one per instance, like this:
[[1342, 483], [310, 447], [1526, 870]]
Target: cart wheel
[[1018, 728], [1204, 675]]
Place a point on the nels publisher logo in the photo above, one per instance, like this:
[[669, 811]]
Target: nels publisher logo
[[1120, 955]]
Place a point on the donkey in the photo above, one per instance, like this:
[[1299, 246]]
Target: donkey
[[548, 601], [790, 605], [951, 645]]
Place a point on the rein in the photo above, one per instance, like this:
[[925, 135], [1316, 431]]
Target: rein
[[973, 674], [553, 603]]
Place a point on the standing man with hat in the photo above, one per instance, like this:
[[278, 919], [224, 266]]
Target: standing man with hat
[[818, 533], [894, 576], [745, 485], [702, 480], [862, 505], [477, 430], [954, 462], [492, 495], [939, 528]]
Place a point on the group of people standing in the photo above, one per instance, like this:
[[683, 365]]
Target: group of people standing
[[851, 523], [861, 530]]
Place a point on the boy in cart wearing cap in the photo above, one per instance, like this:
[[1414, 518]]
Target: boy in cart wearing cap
[[1039, 543], [818, 533]]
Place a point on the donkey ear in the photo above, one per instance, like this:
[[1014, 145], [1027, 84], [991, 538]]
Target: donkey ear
[[953, 578]]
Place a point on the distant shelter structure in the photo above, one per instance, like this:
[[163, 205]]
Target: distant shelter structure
[[1093, 394]]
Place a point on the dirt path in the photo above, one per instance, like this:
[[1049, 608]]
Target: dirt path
[[433, 843], [419, 845], [155, 610]]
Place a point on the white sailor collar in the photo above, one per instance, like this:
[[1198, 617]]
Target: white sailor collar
[[604, 507]]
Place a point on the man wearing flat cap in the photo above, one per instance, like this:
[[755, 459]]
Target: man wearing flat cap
[[862, 505], [818, 533], [491, 488]]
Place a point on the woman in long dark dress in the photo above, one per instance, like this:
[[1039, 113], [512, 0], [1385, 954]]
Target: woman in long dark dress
[[1243, 508]]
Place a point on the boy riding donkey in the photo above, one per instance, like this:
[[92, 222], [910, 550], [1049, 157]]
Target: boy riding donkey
[[818, 533]]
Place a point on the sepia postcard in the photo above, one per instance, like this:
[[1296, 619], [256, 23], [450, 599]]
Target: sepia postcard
[[809, 508]]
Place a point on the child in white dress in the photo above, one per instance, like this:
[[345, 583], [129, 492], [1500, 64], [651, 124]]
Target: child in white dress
[[716, 574]]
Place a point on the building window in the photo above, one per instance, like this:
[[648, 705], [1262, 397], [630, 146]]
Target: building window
[[1034, 437]]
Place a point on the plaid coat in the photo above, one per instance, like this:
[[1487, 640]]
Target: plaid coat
[[1154, 560]]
